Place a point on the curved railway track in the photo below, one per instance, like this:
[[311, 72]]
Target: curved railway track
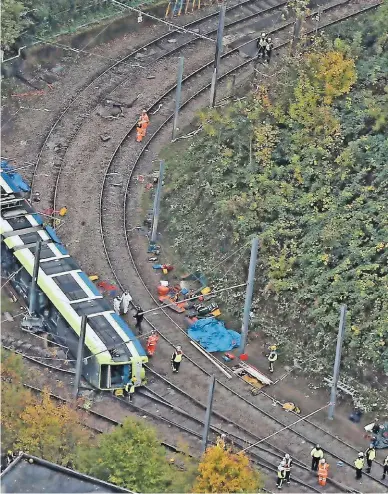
[[70, 120], [154, 407], [163, 402], [118, 202]]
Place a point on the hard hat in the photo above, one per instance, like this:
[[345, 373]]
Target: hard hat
[[269, 39], [371, 445], [144, 111], [317, 446], [9, 452], [322, 460], [273, 347], [172, 460], [179, 348], [287, 456], [361, 454], [263, 35]]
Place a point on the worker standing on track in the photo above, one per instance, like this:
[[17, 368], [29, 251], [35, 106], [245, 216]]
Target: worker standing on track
[[126, 300], [316, 455], [268, 50], [281, 475], [272, 357], [142, 125], [152, 342], [370, 455], [359, 464], [385, 468], [117, 305], [287, 461], [261, 43], [323, 471], [129, 388], [139, 316], [176, 359]]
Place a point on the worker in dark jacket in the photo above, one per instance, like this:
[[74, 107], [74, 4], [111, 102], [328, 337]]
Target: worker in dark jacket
[[261, 43], [385, 468], [316, 455], [287, 463], [176, 359], [268, 50], [370, 455], [139, 316]]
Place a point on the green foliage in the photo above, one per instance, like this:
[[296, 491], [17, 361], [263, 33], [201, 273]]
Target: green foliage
[[12, 22], [303, 165], [131, 456], [38, 425]]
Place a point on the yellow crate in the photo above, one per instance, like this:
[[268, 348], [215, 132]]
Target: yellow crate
[[205, 290]]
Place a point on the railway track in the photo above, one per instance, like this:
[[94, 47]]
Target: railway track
[[153, 407], [128, 70], [116, 221], [163, 402]]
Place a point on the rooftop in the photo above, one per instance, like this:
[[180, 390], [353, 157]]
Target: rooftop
[[29, 474]]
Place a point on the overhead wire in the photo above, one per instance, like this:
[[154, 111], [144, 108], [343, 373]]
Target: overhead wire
[[158, 19]]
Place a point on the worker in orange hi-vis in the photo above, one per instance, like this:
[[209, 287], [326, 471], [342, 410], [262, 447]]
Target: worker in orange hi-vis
[[145, 120], [140, 132], [151, 343], [323, 471]]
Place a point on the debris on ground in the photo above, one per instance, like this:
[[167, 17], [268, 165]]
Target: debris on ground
[[105, 137]]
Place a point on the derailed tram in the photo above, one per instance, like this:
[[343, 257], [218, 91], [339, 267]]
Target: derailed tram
[[112, 354]]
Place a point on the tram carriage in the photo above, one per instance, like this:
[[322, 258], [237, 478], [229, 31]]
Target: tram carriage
[[112, 354]]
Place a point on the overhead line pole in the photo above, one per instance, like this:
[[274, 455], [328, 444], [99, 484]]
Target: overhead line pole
[[34, 281], [208, 412], [158, 195], [178, 96], [217, 57], [80, 356], [249, 294], [337, 363]]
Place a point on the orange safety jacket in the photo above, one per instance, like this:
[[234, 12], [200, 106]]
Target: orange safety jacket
[[144, 120], [323, 470]]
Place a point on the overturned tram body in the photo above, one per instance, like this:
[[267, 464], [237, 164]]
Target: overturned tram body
[[112, 354]]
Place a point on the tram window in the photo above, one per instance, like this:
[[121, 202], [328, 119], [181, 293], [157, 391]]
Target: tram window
[[57, 266], [116, 373], [70, 287], [104, 380]]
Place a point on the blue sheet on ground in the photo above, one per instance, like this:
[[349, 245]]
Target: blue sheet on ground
[[213, 335]]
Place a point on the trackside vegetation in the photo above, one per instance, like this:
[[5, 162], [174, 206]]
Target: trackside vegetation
[[301, 162]]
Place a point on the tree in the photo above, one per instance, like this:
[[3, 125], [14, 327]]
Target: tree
[[51, 430], [12, 22], [222, 470], [131, 456]]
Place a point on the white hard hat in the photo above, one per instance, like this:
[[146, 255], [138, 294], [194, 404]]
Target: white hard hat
[[323, 460], [144, 111], [263, 35], [179, 348], [287, 456], [361, 454], [269, 39]]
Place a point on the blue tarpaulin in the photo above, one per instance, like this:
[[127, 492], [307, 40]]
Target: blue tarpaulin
[[14, 176], [213, 335]]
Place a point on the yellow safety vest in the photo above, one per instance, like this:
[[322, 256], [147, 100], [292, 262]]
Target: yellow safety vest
[[386, 462], [371, 453], [281, 474], [178, 357], [359, 463], [317, 453]]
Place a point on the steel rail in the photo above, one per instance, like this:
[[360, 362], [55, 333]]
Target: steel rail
[[228, 73], [256, 459], [125, 59], [163, 56]]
